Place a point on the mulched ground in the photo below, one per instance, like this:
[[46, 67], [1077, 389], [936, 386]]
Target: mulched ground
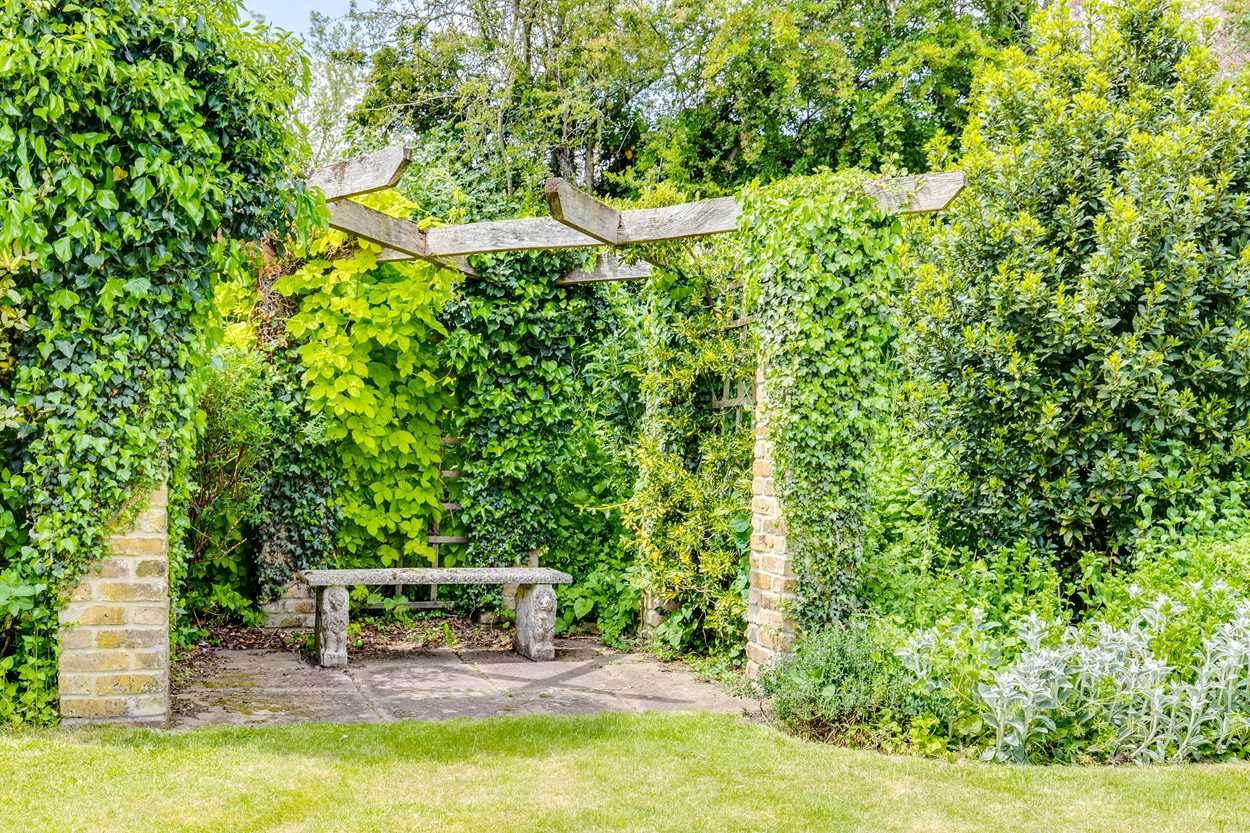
[[365, 636]]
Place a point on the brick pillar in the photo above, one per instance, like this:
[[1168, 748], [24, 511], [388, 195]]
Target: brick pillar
[[114, 664], [770, 629]]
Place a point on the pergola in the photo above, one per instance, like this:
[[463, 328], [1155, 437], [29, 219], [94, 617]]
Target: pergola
[[579, 220]]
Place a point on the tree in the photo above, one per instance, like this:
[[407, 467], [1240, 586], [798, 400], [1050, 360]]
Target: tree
[[788, 87], [503, 92], [498, 94]]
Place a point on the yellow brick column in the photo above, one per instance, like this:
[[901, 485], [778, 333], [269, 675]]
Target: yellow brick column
[[114, 665], [770, 629]]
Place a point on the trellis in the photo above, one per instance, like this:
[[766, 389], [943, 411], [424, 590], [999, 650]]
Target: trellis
[[576, 220]]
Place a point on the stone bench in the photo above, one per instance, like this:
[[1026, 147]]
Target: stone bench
[[535, 602]]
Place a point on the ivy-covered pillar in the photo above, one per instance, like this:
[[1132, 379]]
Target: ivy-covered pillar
[[770, 627], [819, 255]]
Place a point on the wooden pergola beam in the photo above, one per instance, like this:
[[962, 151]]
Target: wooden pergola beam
[[362, 174], [918, 194], [579, 210], [607, 268], [399, 239], [577, 218]]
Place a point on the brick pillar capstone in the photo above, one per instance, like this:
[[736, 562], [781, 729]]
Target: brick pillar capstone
[[770, 628], [114, 630]]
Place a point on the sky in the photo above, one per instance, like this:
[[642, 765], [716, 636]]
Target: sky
[[292, 15]]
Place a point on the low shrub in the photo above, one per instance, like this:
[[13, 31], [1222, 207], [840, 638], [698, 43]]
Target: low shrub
[[1095, 692], [844, 684]]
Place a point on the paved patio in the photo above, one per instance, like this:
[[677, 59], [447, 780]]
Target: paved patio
[[265, 687]]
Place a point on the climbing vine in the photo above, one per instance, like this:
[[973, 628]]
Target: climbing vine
[[139, 144], [368, 341], [819, 257], [517, 347], [690, 510]]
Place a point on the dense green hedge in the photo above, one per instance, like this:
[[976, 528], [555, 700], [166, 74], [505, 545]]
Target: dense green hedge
[[138, 142], [1081, 325], [519, 350]]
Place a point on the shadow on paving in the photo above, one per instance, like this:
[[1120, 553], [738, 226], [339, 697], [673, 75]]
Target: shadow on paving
[[263, 687]]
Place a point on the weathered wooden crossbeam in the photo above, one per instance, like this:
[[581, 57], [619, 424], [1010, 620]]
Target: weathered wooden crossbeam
[[578, 210], [577, 218], [362, 174], [399, 239], [607, 268]]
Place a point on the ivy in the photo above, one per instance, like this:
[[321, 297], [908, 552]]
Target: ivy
[[140, 142], [819, 258], [518, 347]]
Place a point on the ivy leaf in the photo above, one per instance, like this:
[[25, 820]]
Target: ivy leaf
[[142, 190]]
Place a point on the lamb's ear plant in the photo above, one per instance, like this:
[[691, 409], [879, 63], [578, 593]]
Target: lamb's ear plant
[[1100, 692]]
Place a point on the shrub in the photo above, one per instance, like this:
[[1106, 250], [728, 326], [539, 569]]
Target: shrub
[[235, 452], [1082, 325], [1094, 692], [844, 684], [689, 514]]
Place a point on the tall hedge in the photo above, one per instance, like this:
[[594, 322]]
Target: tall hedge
[[1083, 324], [139, 142]]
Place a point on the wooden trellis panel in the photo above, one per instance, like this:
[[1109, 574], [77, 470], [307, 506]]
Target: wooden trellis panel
[[437, 541]]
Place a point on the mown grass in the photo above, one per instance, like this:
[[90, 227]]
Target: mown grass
[[652, 772]]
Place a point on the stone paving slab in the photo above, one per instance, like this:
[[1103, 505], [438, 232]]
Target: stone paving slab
[[259, 687]]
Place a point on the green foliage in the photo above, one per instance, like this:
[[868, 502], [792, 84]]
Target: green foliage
[[301, 514], [500, 95], [789, 87], [1081, 329], [690, 510], [518, 346], [138, 143], [234, 457], [819, 257], [707, 95], [844, 684], [1045, 693], [367, 335]]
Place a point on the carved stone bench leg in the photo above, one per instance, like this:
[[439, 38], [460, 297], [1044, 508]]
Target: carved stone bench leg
[[332, 627], [535, 621]]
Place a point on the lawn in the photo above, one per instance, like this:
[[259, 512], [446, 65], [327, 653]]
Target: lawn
[[684, 773]]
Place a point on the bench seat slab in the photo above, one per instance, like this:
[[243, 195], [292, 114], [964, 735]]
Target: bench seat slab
[[436, 575]]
